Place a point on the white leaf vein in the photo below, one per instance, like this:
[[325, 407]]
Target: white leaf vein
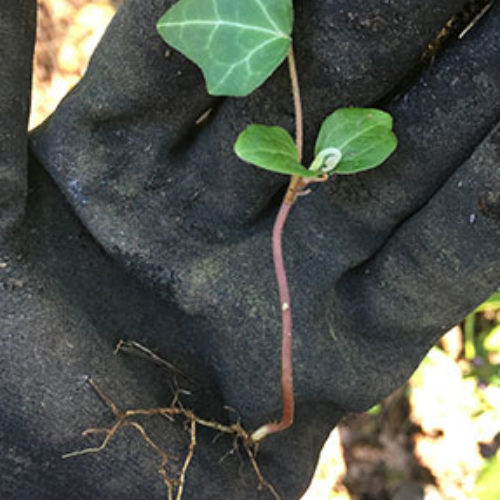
[[221, 22]]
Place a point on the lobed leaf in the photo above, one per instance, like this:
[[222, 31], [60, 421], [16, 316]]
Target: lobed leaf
[[271, 148], [364, 137], [237, 44]]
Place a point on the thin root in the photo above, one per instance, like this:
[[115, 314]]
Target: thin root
[[116, 411], [262, 482], [109, 435], [175, 487], [141, 351], [187, 461]]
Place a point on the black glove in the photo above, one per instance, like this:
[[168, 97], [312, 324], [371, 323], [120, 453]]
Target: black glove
[[17, 23], [379, 264]]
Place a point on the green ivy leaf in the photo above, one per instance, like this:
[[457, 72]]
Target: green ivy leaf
[[271, 148], [237, 44], [363, 136]]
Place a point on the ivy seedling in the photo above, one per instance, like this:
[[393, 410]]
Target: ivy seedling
[[350, 140], [238, 44]]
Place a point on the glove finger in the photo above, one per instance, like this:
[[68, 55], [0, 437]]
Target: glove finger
[[17, 30], [439, 265], [142, 191], [439, 122]]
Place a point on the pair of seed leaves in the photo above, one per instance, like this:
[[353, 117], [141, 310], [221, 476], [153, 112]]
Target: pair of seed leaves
[[238, 44]]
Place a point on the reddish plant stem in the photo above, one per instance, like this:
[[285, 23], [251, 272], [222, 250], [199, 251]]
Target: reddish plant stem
[[295, 186], [286, 317], [286, 332]]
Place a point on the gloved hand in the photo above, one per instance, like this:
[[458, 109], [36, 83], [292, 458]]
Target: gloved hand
[[379, 264]]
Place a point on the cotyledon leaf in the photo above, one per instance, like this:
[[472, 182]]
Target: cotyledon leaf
[[237, 43], [363, 136], [271, 148]]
